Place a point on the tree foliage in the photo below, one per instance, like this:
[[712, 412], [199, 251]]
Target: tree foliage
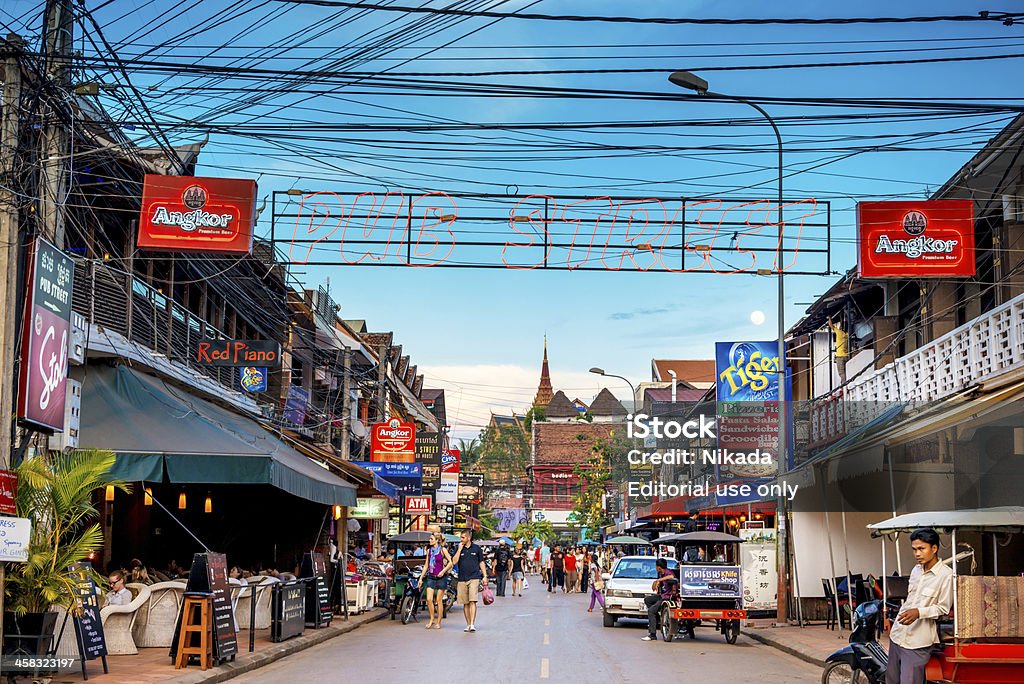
[[56, 493], [504, 454], [543, 530], [606, 464]]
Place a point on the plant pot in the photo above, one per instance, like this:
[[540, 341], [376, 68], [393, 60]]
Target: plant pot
[[30, 634]]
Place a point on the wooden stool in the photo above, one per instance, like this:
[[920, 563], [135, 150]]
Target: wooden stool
[[196, 619]]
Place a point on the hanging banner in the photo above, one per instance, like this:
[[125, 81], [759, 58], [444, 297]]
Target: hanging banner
[[916, 239], [407, 477], [191, 214], [758, 556], [44, 348], [252, 379], [8, 492], [393, 442], [448, 489]]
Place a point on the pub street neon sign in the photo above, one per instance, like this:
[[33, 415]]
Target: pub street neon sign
[[653, 234]]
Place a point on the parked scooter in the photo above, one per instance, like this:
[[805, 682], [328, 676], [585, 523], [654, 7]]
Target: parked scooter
[[864, 661]]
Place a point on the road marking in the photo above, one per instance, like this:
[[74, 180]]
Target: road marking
[[547, 639], [547, 622], [545, 665]]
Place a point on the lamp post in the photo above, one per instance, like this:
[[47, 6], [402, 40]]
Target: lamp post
[[600, 371], [684, 79]]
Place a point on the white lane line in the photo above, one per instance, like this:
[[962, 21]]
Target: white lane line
[[547, 622], [547, 639], [545, 666]]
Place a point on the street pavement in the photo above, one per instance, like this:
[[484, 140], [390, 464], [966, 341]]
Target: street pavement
[[539, 636]]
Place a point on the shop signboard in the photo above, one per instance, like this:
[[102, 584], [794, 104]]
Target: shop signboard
[[8, 492], [237, 353], [193, 214], [288, 612], [295, 405], [916, 239], [252, 379], [14, 538], [369, 508], [418, 505], [444, 516], [709, 580], [209, 575], [747, 371], [510, 518], [47, 329], [428, 454], [760, 573], [448, 490], [91, 641], [393, 442], [407, 477]]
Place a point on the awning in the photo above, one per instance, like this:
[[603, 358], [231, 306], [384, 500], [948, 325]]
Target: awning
[[153, 427]]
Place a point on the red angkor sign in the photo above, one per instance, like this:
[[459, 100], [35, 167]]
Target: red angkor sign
[[393, 442], [192, 214], [916, 239]]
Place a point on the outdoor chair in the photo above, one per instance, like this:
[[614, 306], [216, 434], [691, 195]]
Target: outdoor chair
[[261, 587], [118, 621], [831, 619], [154, 623]]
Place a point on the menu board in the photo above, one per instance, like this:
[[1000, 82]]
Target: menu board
[[318, 597], [288, 618], [88, 626], [209, 575]]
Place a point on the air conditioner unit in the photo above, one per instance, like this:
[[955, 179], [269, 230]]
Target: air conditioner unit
[[68, 439]]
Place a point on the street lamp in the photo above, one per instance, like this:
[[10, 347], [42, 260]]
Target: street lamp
[[684, 79], [600, 371]]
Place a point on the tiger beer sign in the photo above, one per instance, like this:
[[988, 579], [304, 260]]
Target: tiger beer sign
[[393, 442]]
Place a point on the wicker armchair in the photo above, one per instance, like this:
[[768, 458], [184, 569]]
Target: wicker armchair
[[154, 622], [118, 621]]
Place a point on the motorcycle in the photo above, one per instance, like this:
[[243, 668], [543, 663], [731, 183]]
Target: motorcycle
[[864, 659], [412, 596]]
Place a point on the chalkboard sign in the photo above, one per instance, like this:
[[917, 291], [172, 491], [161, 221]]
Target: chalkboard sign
[[288, 616], [209, 575], [318, 596], [88, 626]]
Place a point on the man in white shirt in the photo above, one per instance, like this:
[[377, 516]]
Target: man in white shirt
[[929, 598]]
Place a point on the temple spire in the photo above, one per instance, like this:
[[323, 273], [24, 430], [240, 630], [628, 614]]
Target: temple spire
[[544, 392]]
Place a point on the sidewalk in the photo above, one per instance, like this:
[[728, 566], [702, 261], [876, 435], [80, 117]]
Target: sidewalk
[[811, 643], [154, 664]]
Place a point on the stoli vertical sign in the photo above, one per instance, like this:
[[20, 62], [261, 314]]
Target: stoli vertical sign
[[44, 348], [192, 214]]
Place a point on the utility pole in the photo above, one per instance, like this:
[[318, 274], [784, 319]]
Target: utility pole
[[346, 402], [382, 359], [58, 27], [10, 243]]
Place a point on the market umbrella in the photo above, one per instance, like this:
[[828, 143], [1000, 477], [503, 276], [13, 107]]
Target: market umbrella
[[487, 542], [452, 538], [414, 537], [627, 539], [588, 542]]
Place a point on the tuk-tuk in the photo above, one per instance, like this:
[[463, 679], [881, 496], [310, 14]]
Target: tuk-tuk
[[405, 596], [710, 585], [985, 641]]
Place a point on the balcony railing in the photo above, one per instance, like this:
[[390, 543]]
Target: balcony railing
[[979, 350]]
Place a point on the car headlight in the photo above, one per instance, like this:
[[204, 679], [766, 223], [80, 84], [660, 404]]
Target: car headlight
[[620, 593]]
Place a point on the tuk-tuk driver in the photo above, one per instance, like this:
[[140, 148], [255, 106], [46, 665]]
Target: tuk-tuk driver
[[929, 596], [664, 587]]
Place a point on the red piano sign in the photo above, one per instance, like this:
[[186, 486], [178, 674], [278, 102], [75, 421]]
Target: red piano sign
[[393, 442], [8, 492], [916, 239], [44, 373], [190, 214], [238, 353], [418, 505]]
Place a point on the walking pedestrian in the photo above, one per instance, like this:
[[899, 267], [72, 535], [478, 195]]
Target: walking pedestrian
[[597, 585], [556, 570], [518, 569], [585, 569], [502, 558], [545, 563], [435, 569], [469, 559], [571, 574]]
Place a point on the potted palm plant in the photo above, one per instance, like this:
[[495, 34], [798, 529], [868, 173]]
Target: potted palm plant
[[55, 491]]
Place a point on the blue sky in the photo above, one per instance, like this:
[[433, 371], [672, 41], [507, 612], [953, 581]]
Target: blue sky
[[479, 333]]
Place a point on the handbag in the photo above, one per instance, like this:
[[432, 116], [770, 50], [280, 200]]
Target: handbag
[[487, 595], [598, 583]]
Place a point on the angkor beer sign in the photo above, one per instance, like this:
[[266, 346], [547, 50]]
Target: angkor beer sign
[[916, 239], [44, 348], [436, 229], [191, 214], [393, 442], [237, 353]]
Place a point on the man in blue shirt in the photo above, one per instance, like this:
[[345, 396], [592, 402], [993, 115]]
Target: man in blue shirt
[[469, 559]]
